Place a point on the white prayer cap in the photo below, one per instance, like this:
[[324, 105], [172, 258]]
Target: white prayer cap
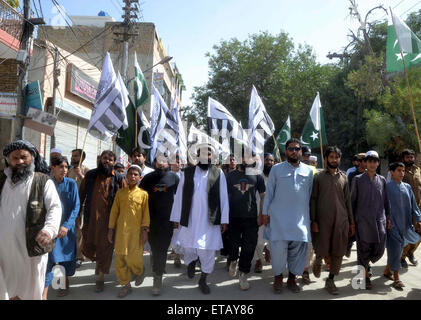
[[313, 158], [205, 145], [55, 150], [135, 166], [372, 154]]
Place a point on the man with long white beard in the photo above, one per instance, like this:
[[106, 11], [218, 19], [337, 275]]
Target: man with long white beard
[[30, 215]]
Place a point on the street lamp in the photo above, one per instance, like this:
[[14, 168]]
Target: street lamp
[[165, 60]]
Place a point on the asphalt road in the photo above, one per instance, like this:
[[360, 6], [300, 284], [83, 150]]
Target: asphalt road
[[177, 286]]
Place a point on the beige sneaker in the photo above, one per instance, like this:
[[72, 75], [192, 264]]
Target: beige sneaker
[[233, 268], [244, 285]]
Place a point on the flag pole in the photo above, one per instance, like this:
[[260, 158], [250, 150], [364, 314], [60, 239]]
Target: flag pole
[[411, 102], [135, 132], [321, 147], [83, 148], [277, 148]]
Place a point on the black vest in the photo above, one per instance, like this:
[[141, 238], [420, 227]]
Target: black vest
[[35, 214], [214, 202]]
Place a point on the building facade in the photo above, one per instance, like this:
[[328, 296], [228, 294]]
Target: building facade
[[147, 45], [81, 52], [11, 25]]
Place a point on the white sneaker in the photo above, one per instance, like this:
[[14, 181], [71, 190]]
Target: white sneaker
[[233, 268], [244, 285]]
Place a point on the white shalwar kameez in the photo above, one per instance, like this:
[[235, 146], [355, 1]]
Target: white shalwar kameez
[[24, 276], [200, 239]]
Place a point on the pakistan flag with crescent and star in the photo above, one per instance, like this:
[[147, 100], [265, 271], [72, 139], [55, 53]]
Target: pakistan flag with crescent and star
[[283, 136], [315, 123], [412, 55]]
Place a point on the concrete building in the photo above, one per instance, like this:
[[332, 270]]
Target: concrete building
[[97, 35], [82, 49], [76, 90], [11, 24]]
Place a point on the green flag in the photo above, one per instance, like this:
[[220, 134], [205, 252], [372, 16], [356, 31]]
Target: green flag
[[408, 41], [141, 91], [126, 138], [283, 136], [314, 126]]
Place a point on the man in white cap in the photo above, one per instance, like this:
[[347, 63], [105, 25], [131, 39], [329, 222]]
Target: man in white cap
[[371, 209], [313, 161], [54, 153], [201, 209]]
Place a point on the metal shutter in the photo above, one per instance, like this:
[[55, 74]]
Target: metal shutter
[[91, 145], [66, 132]]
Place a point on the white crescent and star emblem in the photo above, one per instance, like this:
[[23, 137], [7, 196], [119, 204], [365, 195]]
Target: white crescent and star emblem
[[287, 135], [303, 142], [314, 136], [416, 58], [399, 56]]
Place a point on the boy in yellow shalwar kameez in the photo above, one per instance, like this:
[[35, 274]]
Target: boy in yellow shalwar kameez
[[130, 219]]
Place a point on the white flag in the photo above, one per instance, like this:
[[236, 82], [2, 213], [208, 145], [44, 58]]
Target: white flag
[[109, 112], [199, 137], [182, 139], [164, 128], [221, 121], [259, 119]]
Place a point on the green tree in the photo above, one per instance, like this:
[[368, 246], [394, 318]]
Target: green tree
[[13, 3], [286, 77]]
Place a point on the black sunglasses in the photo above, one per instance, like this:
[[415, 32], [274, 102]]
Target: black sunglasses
[[291, 149]]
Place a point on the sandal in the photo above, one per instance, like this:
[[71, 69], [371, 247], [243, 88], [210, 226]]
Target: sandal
[[398, 284], [125, 291], [99, 286], [388, 275], [62, 292]]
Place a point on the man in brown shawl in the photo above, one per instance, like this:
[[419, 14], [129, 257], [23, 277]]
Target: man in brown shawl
[[331, 217], [98, 189]]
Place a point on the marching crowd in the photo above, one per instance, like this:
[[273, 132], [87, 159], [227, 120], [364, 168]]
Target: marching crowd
[[292, 215]]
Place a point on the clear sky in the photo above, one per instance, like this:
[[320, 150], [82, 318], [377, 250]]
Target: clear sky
[[189, 28]]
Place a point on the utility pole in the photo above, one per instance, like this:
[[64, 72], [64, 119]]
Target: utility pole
[[24, 57], [56, 83], [130, 13]]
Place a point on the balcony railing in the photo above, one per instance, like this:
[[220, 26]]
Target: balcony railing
[[11, 21]]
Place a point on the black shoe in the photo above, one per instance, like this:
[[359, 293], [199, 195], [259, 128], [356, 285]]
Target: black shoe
[[404, 264], [227, 266], [348, 253], [413, 260], [277, 284], [305, 278], [368, 285], [370, 273], [78, 263], [191, 269], [202, 284], [292, 285]]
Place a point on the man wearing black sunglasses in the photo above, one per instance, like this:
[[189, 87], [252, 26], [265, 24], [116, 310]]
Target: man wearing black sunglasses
[[286, 212]]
